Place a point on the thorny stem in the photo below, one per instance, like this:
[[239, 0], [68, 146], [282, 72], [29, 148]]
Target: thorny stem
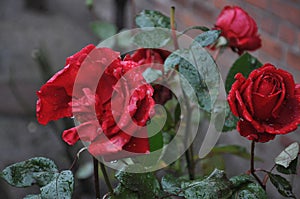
[[96, 178], [106, 179], [252, 169]]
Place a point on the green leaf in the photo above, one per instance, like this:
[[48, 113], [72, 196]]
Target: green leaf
[[203, 28], [151, 18], [230, 122], [291, 169], [230, 119], [145, 184], [207, 38], [200, 71], [222, 108], [60, 187], [154, 133], [36, 170], [120, 192], [152, 38], [289, 154], [103, 30], [244, 65], [172, 185], [234, 150], [211, 162], [150, 75], [215, 186], [282, 185], [246, 188], [177, 113], [31, 196]]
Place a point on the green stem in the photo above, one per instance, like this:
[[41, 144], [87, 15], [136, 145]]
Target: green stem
[[252, 169], [189, 155], [172, 22], [106, 179], [96, 178]]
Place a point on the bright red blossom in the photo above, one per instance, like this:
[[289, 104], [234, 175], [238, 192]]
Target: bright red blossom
[[239, 29], [110, 117], [267, 103]]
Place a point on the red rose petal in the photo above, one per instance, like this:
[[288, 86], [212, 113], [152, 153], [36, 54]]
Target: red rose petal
[[106, 146], [70, 136], [264, 105], [288, 120], [247, 130], [240, 79]]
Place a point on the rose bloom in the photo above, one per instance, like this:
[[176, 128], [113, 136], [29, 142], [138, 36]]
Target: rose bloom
[[152, 57], [109, 131], [239, 29], [267, 103]]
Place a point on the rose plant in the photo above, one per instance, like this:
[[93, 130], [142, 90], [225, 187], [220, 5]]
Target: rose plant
[[111, 98]]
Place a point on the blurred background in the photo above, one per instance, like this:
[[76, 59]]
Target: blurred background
[[37, 36]]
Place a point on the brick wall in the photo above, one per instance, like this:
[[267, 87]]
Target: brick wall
[[278, 22]]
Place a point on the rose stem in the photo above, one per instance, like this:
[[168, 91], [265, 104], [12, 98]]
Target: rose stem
[[96, 178], [106, 179], [172, 22], [189, 155], [252, 170]]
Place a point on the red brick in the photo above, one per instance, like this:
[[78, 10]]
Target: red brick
[[269, 25], [203, 11], [259, 3], [221, 3], [286, 11], [293, 59], [287, 34], [298, 40], [263, 57], [271, 46]]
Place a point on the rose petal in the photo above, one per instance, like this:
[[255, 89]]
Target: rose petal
[[240, 79], [288, 120], [249, 43], [70, 136], [106, 146], [226, 18], [247, 130], [247, 96], [264, 105]]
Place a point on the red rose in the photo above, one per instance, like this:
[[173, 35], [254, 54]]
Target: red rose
[[57, 100], [120, 109], [56, 94], [153, 56], [239, 29], [267, 103]]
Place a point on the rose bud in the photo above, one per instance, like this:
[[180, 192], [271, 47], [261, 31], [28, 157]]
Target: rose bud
[[239, 29]]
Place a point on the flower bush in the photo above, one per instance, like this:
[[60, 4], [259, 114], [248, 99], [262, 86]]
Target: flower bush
[[112, 98]]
